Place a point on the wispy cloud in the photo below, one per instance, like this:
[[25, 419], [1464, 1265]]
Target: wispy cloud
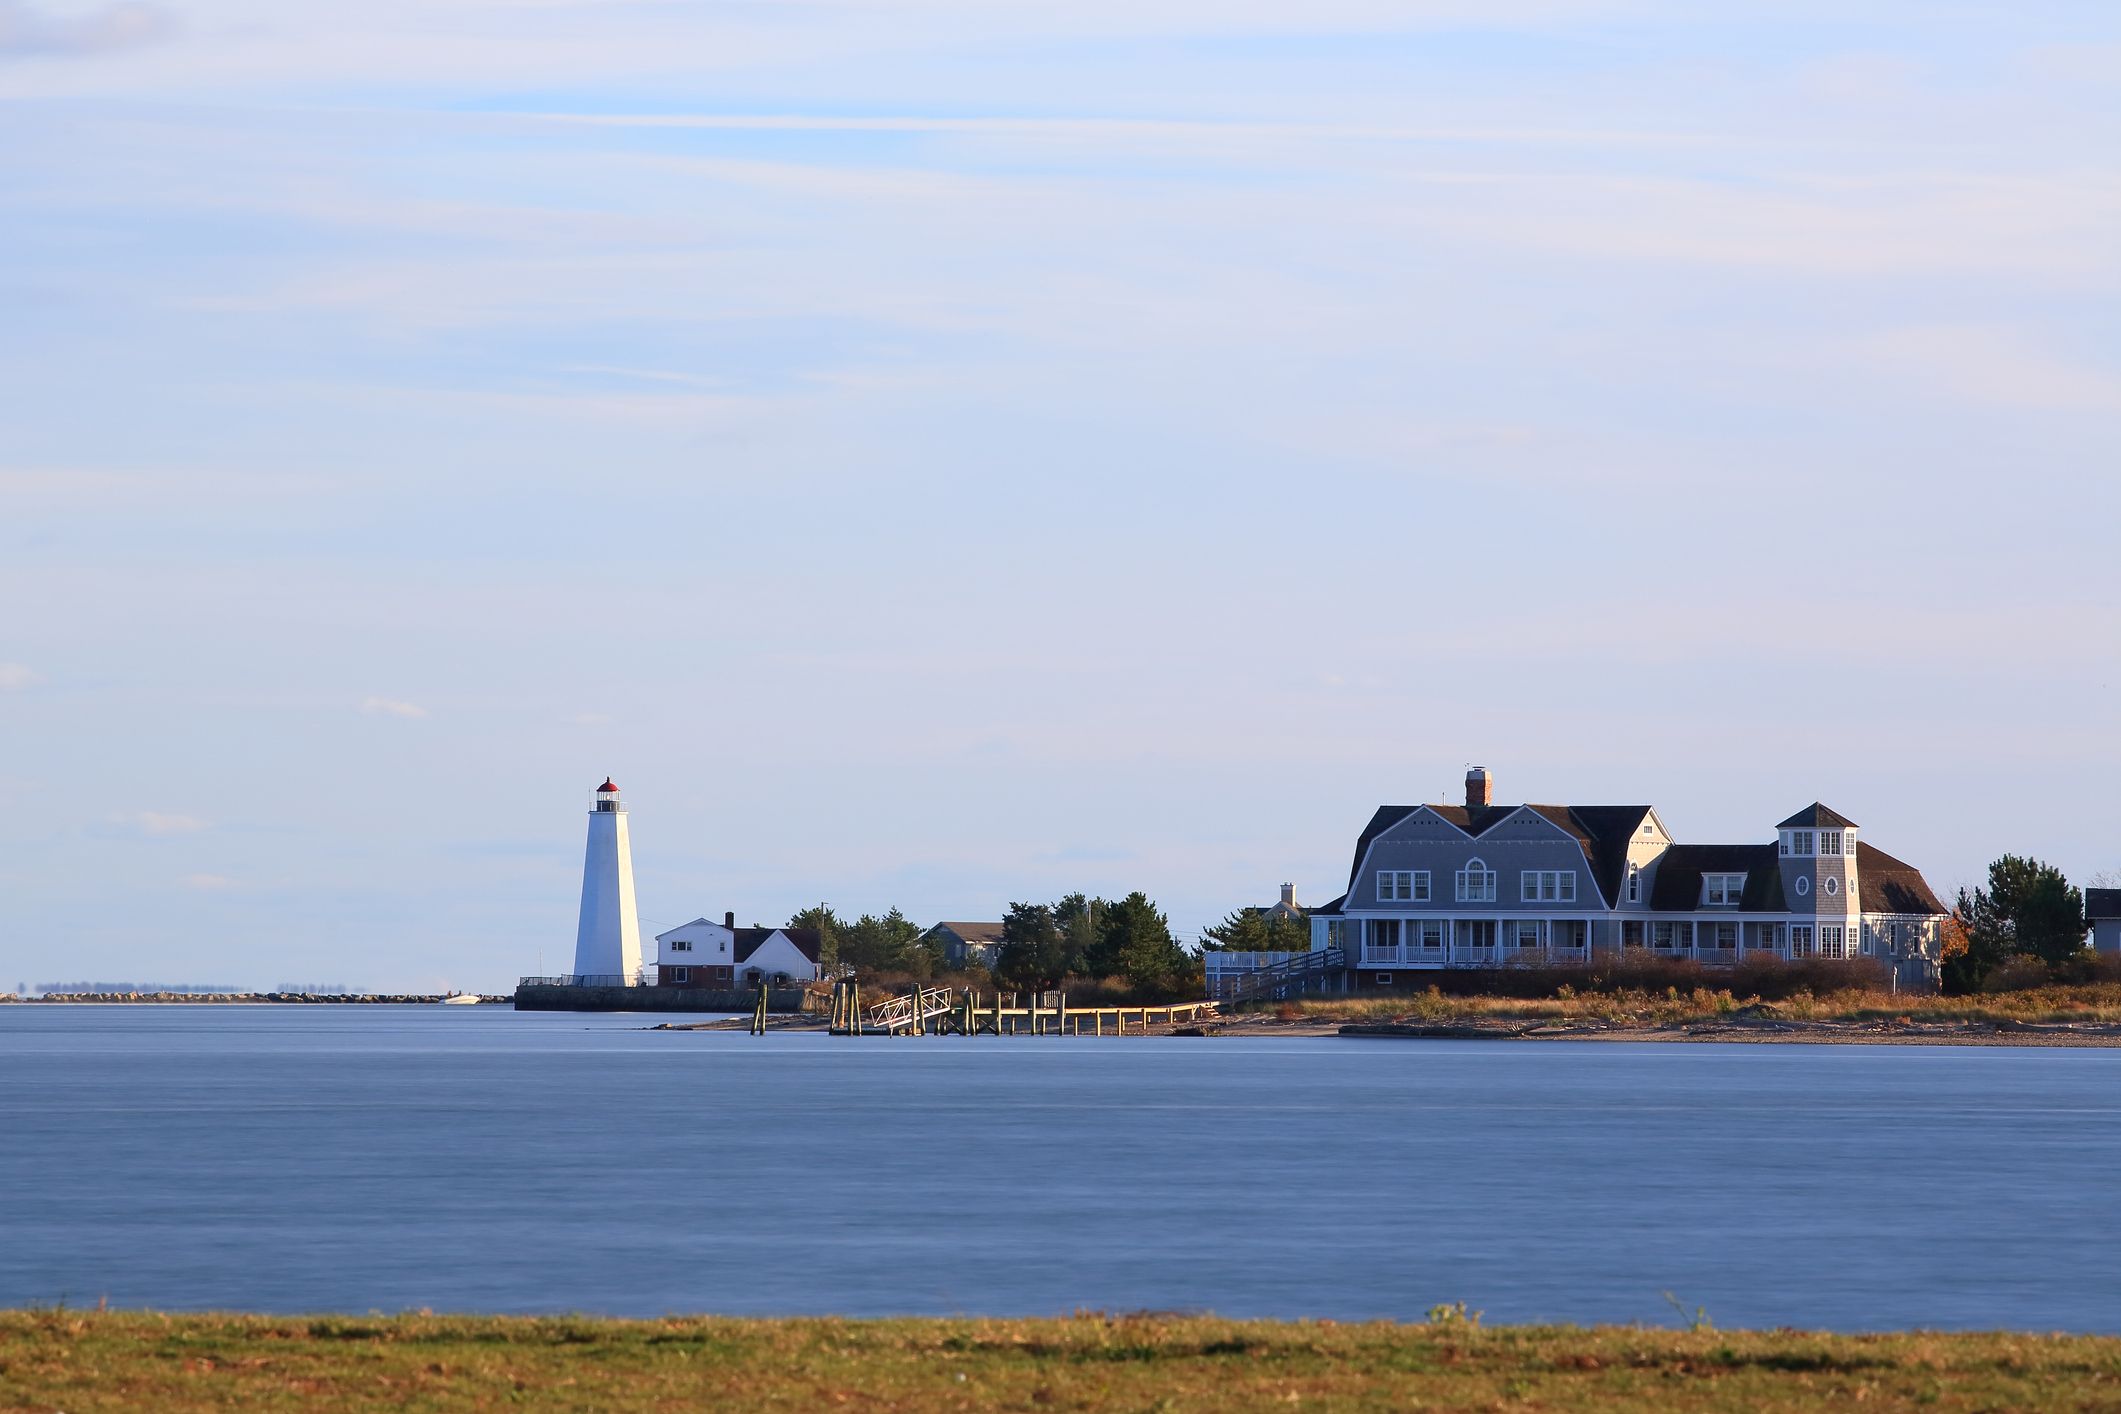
[[390, 707], [29, 29], [157, 822], [14, 677]]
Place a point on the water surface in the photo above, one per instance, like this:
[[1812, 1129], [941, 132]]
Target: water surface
[[473, 1159]]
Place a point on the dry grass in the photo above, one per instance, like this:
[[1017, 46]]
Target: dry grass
[[2095, 1002], [93, 1361]]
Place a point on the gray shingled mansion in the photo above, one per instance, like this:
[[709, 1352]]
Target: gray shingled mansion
[[1437, 886]]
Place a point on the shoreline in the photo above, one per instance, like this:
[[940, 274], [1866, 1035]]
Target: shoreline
[[96, 1360], [1839, 1033]]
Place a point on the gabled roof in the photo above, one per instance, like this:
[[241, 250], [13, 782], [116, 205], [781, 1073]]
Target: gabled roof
[[1680, 867], [1602, 830], [750, 940], [970, 932], [1817, 816], [2099, 903], [695, 923]]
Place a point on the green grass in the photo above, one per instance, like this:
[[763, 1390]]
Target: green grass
[[87, 1361]]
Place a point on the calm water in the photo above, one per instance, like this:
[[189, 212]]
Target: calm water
[[371, 1158]]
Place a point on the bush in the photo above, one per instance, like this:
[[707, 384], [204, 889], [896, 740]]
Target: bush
[[1767, 978], [2018, 974]]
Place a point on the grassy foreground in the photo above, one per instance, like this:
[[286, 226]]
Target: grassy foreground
[[84, 1361], [2097, 1004]]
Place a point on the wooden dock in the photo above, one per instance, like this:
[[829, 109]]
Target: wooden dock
[[940, 1011]]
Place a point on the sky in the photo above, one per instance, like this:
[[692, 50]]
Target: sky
[[951, 452]]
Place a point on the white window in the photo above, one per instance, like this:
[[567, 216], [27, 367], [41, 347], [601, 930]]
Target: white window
[[1634, 883], [1476, 883], [1336, 932], [1800, 939], [1722, 889], [681, 945], [1800, 841], [1431, 930], [681, 974], [1527, 930], [1550, 886], [1830, 841], [1785, 841], [1830, 942], [1868, 931], [1831, 885], [1384, 932], [1848, 843], [1403, 885], [1726, 935], [1804, 885], [1383, 979]]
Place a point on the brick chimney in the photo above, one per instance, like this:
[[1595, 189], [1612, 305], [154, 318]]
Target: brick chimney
[[1480, 787], [729, 920]]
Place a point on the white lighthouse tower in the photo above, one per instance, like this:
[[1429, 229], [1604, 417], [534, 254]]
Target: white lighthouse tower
[[607, 944]]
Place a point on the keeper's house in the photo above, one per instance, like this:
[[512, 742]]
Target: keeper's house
[[1478, 885], [719, 956]]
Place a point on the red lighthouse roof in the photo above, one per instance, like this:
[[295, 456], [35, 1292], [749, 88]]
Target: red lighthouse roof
[[606, 786]]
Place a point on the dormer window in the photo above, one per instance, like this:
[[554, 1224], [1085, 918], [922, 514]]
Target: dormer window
[[1634, 883], [1476, 883], [1722, 890], [1830, 841], [1800, 842]]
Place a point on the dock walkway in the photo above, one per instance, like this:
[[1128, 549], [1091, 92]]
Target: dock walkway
[[940, 1011]]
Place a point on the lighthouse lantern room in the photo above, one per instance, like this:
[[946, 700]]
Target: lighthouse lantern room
[[607, 941]]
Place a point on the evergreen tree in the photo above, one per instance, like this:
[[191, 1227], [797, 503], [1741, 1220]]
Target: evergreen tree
[[2042, 912], [1136, 942], [1033, 954], [2028, 908], [1258, 930], [886, 944], [828, 925]]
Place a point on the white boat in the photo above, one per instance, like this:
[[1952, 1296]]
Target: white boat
[[460, 999]]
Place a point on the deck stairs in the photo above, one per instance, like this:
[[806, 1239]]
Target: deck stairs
[[1306, 972]]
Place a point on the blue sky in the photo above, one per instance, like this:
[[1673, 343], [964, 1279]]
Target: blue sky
[[942, 453]]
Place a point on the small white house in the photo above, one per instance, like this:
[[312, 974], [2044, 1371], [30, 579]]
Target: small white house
[[721, 956], [697, 954], [776, 955]]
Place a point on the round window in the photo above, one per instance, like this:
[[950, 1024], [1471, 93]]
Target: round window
[[1830, 886], [1804, 886]]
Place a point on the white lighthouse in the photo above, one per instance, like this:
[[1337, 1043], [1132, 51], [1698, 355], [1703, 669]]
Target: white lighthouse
[[607, 944]]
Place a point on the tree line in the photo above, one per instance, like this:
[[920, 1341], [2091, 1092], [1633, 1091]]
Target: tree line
[[1125, 942]]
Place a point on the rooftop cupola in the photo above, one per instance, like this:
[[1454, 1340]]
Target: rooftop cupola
[[607, 799], [1480, 787]]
